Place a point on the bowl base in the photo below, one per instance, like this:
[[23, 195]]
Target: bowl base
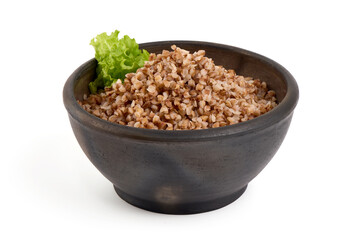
[[188, 208]]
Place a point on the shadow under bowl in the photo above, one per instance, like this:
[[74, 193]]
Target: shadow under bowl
[[188, 171]]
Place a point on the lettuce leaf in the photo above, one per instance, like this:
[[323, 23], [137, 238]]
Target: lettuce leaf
[[116, 57]]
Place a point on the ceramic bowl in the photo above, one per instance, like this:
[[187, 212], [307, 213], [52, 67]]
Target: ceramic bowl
[[188, 171]]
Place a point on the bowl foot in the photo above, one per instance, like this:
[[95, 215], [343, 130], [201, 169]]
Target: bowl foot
[[187, 208]]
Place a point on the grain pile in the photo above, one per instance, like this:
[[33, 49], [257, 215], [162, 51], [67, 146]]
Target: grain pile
[[178, 90]]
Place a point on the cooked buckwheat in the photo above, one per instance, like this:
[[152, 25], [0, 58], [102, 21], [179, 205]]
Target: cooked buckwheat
[[177, 91]]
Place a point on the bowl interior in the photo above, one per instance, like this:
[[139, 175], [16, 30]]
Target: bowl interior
[[243, 62]]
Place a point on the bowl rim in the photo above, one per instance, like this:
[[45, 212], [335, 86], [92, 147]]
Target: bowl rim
[[277, 114]]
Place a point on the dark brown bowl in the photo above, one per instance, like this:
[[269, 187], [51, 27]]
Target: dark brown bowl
[[188, 171]]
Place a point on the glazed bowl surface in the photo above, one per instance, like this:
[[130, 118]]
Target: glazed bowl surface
[[187, 171]]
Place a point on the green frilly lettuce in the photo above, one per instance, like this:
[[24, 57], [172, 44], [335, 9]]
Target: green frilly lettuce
[[116, 57]]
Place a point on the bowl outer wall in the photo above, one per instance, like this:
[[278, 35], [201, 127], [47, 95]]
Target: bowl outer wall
[[173, 167]]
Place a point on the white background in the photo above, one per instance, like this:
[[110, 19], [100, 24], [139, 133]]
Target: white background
[[310, 190]]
